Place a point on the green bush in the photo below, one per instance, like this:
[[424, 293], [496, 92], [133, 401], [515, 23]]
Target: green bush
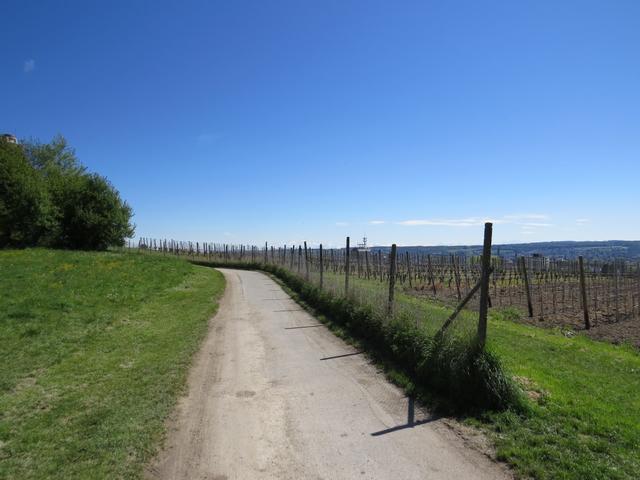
[[48, 199], [25, 209], [91, 214]]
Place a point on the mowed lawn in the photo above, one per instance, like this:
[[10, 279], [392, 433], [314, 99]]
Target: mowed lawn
[[94, 350], [584, 401], [585, 408]]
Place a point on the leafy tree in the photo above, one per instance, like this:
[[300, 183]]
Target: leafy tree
[[47, 198], [55, 158], [91, 214], [25, 210]]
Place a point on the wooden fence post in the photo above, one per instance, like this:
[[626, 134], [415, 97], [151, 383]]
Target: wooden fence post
[[321, 268], [366, 259], [408, 268], [583, 288], [265, 253], [523, 266], [306, 262], [346, 270], [392, 278], [456, 276], [484, 286], [431, 275]]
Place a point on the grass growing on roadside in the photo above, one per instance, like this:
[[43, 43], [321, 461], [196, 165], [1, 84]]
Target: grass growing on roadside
[[584, 420], [94, 351]]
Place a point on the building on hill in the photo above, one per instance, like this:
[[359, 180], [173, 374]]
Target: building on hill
[[7, 137]]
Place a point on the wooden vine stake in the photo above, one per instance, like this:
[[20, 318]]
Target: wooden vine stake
[[321, 268], [392, 278], [346, 270], [408, 268], [583, 288], [523, 266], [484, 286]]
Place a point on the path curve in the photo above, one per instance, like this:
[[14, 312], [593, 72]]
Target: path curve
[[274, 395]]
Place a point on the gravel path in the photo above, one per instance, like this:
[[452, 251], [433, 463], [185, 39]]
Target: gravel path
[[274, 395]]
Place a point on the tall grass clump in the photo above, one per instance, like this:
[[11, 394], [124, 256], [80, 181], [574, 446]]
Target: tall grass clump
[[453, 365]]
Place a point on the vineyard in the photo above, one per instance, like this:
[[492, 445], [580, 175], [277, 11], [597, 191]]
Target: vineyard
[[601, 298]]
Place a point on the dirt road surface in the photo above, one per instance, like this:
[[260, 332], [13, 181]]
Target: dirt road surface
[[274, 395]]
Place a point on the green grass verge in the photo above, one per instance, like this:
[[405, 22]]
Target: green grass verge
[[582, 419], [94, 350]]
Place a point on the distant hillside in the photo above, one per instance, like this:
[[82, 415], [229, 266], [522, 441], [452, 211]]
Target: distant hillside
[[608, 250]]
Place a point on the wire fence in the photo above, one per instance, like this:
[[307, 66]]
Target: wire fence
[[588, 293], [344, 273]]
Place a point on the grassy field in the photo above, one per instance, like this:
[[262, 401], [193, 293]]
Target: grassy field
[[585, 410], [94, 349], [584, 399]]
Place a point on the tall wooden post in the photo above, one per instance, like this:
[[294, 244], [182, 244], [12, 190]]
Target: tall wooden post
[[456, 275], [346, 269], [366, 260], [306, 262], [523, 266], [265, 253], [583, 288], [321, 268], [392, 278], [409, 268], [484, 287], [431, 275]]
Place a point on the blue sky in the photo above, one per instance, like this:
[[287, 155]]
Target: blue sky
[[410, 122]]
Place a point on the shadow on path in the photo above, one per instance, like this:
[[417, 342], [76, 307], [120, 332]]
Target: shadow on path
[[411, 422]]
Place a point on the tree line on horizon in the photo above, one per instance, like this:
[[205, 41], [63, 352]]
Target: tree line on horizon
[[49, 199]]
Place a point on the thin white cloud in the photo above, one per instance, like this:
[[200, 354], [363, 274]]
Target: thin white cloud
[[29, 65], [342, 224], [536, 225], [515, 219], [582, 221], [526, 216], [377, 222], [461, 222]]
